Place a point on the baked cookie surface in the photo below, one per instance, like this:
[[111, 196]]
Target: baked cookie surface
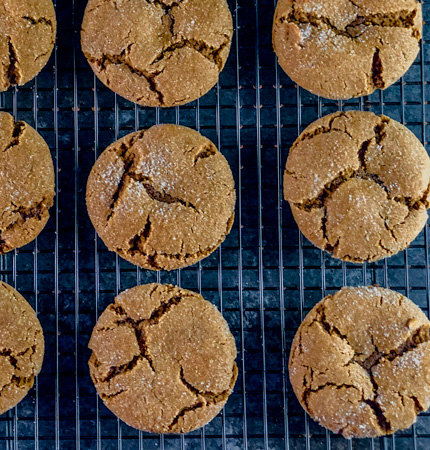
[[360, 362], [27, 39], [26, 183], [340, 49], [21, 347], [162, 198], [157, 53], [163, 359], [358, 185]]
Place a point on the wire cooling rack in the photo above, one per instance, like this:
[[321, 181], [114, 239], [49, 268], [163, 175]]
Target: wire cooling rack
[[264, 278]]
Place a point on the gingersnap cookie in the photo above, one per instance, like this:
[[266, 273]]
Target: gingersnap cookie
[[163, 359], [358, 185], [162, 198], [360, 362], [26, 183], [27, 39], [21, 347], [342, 49], [157, 53]]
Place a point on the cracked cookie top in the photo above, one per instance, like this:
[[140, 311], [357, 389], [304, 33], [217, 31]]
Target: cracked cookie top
[[162, 198], [163, 359], [360, 362], [26, 183], [358, 185], [157, 52], [340, 49], [21, 347], [27, 39]]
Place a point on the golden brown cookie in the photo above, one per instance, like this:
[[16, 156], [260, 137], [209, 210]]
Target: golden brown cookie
[[21, 347], [26, 183], [157, 52], [341, 48], [27, 39], [162, 198], [360, 362], [163, 359], [358, 185]]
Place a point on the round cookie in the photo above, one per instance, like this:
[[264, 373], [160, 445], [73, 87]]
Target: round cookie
[[162, 198], [163, 359], [26, 183], [21, 347], [27, 39], [340, 49], [159, 53], [360, 362], [358, 185]]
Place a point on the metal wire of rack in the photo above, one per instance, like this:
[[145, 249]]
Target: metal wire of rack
[[264, 278]]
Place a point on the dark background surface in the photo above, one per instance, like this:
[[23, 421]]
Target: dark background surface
[[264, 278]]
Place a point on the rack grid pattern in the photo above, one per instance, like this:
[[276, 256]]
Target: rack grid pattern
[[264, 278]]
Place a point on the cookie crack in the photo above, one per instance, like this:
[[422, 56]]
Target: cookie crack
[[377, 70], [161, 196], [164, 308], [33, 211], [13, 355], [196, 406], [401, 19], [381, 129], [390, 230], [383, 422], [19, 382], [121, 60], [163, 3], [353, 3], [42, 55], [154, 194], [374, 405], [114, 2], [18, 130], [205, 153], [106, 397], [329, 188], [25, 214], [9, 354], [13, 73], [123, 368], [332, 330], [321, 129], [129, 174], [39, 20], [309, 391], [332, 186], [151, 258], [362, 153], [319, 201], [212, 54], [413, 204], [14, 361], [209, 396], [418, 406], [204, 399], [414, 341], [127, 161], [139, 239], [139, 328]]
